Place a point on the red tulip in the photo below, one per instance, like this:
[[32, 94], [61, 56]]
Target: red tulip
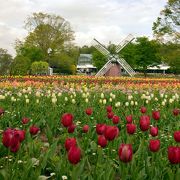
[[156, 115], [131, 128], [71, 128], [74, 155], [100, 128], [115, 119], [15, 144], [102, 141], [174, 154], [129, 119], [154, 145], [109, 108], [25, 120], [21, 134], [7, 136], [89, 111], [67, 119], [177, 136], [1, 111], [11, 139], [110, 115], [34, 130], [85, 128], [125, 152], [176, 112], [154, 131], [143, 110], [69, 143], [111, 132], [144, 122]]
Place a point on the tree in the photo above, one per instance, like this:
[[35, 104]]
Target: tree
[[32, 52], [50, 33], [168, 23], [62, 63], [146, 53], [170, 53], [20, 66], [39, 68], [98, 59], [128, 53], [5, 61]]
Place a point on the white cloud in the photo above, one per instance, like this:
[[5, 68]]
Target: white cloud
[[103, 19]]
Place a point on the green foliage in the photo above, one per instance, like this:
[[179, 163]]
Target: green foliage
[[32, 52], [128, 53], [99, 59], [170, 54], [5, 61], [20, 65], [168, 23], [62, 63], [146, 53], [39, 67], [50, 33]]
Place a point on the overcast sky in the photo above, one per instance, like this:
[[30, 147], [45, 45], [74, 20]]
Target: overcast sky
[[106, 20]]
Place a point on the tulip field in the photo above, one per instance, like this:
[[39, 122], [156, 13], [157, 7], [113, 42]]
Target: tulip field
[[94, 128]]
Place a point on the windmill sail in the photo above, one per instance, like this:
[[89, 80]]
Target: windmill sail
[[126, 66], [113, 66], [123, 43], [101, 48], [105, 68]]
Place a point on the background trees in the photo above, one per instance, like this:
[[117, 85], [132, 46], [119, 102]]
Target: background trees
[[20, 65], [5, 61], [166, 27], [49, 39]]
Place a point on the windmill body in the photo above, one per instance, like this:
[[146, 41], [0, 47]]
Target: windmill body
[[114, 64]]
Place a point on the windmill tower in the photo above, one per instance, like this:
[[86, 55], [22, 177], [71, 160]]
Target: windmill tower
[[114, 64]]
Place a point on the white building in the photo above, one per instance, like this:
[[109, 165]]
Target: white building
[[85, 64]]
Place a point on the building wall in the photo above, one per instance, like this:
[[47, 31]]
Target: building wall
[[115, 70]]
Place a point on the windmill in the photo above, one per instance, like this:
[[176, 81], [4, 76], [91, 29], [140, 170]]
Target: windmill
[[114, 63]]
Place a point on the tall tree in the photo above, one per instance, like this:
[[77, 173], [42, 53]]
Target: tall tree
[[50, 33], [32, 52], [167, 25], [170, 53], [146, 53], [5, 61], [20, 66], [128, 53]]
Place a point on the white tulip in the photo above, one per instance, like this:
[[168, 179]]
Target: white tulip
[[102, 95], [127, 104], [59, 94], [132, 103], [73, 101], [27, 101], [2, 97], [104, 101]]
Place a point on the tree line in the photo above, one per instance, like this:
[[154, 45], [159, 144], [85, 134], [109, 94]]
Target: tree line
[[50, 43]]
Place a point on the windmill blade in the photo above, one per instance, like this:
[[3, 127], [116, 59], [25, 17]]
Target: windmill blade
[[126, 66], [100, 47], [123, 43], [105, 68]]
